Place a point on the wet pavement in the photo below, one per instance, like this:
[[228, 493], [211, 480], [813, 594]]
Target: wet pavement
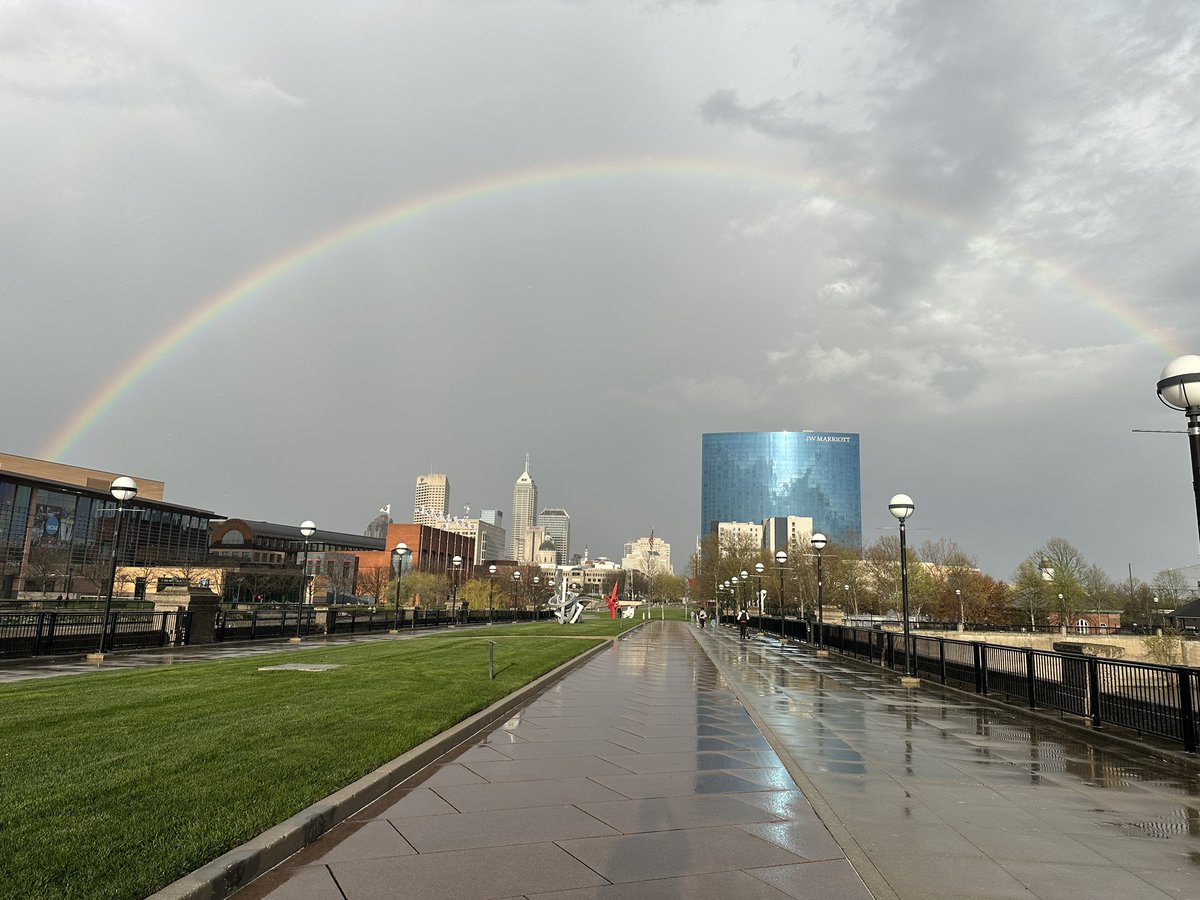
[[935, 795], [25, 669], [640, 774]]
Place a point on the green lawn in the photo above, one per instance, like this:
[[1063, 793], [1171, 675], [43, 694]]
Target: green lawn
[[117, 784]]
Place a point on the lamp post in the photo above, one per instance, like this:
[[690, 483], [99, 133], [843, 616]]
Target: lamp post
[[1179, 388], [516, 585], [491, 589], [734, 582], [818, 542], [962, 618], [745, 588], [758, 570], [780, 562], [400, 552], [307, 528], [534, 590], [123, 488], [845, 598], [457, 561], [901, 506]]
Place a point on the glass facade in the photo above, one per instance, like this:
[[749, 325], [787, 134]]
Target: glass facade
[[753, 475], [54, 539]]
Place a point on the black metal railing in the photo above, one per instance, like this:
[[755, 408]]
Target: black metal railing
[[1143, 697], [49, 632]]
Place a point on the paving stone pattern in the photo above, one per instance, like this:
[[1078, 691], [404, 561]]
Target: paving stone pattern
[[637, 775]]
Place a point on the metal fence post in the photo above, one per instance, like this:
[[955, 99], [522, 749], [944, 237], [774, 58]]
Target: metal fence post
[[1186, 705], [1031, 677], [1093, 677], [942, 658], [981, 685]]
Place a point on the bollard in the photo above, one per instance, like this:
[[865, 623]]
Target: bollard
[[491, 660]]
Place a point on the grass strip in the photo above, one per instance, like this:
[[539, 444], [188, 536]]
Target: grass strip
[[117, 784]]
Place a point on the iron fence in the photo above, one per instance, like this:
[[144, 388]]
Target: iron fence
[[1146, 698], [48, 632]]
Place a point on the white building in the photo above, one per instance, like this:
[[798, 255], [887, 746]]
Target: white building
[[524, 514], [432, 503], [649, 555], [780, 532], [489, 538], [737, 534]]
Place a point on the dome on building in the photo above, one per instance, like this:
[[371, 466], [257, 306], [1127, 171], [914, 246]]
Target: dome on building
[[549, 545]]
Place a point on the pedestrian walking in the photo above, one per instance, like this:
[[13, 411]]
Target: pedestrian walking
[[743, 622], [702, 617]]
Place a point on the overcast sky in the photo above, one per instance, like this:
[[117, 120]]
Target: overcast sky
[[966, 231]]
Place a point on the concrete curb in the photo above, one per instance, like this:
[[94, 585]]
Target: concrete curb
[[241, 865]]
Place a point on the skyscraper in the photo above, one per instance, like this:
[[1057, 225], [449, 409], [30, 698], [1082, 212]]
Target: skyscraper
[[524, 514], [432, 503], [558, 527], [753, 476]]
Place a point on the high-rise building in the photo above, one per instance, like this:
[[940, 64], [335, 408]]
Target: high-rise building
[[377, 527], [753, 476], [781, 532], [492, 517], [432, 504], [558, 528], [524, 514]]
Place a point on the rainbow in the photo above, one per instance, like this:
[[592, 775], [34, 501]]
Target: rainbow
[[249, 285]]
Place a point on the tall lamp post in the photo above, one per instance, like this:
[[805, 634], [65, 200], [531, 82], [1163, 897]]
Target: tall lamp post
[[307, 528], [901, 506], [962, 616], [734, 583], [400, 552], [457, 561], [516, 585], [745, 589], [759, 568], [123, 488], [536, 600], [818, 542], [780, 562], [491, 590], [1179, 388]]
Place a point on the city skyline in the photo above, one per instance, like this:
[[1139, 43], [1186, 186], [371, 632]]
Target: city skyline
[[957, 230]]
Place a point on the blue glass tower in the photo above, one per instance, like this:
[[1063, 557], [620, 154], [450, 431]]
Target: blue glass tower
[[752, 475]]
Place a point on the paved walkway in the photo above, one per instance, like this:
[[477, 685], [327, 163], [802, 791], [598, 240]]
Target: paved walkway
[[637, 775]]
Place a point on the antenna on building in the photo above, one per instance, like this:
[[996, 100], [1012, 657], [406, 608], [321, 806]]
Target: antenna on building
[[526, 462]]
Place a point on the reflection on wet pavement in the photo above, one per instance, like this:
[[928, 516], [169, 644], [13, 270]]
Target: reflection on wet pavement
[[949, 798]]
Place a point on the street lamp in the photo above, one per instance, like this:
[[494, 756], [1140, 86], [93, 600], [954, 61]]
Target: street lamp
[[758, 570], [491, 589], [308, 529], [536, 581], [457, 560], [1062, 616], [780, 562], [734, 582], [901, 506], [818, 542], [745, 588], [962, 618], [516, 585], [400, 552], [1179, 388], [123, 488]]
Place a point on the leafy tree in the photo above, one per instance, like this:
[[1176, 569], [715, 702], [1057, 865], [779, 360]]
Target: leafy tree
[[1050, 582]]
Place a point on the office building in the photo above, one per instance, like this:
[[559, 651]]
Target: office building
[[489, 538], [753, 476], [557, 524], [649, 555], [781, 532], [432, 503], [731, 535], [524, 514]]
